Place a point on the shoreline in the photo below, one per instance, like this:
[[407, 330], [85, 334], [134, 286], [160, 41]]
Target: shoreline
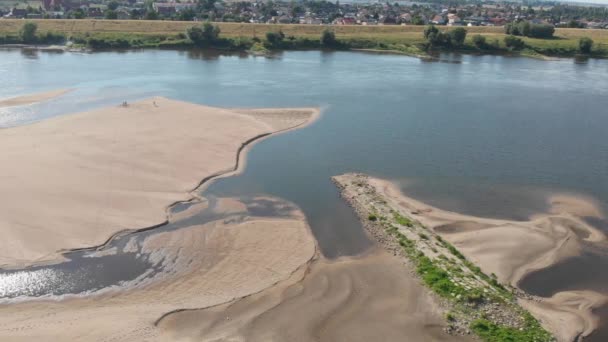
[[239, 161], [479, 241], [420, 54]]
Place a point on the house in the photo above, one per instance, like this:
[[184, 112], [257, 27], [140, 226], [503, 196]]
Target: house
[[438, 20], [497, 21], [96, 11], [184, 6], [164, 8], [454, 20], [18, 13], [284, 19], [123, 14], [405, 18], [596, 25], [345, 21]]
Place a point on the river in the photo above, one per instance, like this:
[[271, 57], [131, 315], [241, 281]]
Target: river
[[484, 135]]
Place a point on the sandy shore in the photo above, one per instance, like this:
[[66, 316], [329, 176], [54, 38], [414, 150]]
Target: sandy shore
[[512, 249], [73, 181], [369, 298], [32, 98], [241, 278], [203, 265]]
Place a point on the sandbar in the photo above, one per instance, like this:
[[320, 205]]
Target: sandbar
[[75, 180], [32, 98], [512, 249]]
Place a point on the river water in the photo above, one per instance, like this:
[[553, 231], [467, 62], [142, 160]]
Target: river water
[[484, 135]]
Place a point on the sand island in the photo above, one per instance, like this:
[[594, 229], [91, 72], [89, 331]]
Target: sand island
[[474, 264], [87, 176]]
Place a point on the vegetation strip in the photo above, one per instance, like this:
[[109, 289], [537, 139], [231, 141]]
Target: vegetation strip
[[475, 302], [516, 39]]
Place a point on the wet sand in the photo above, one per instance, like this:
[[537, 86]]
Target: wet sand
[[32, 98], [203, 266], [368, 298], [513, 249], [73, 181]]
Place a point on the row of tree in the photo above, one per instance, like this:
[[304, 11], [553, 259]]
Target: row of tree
[[527, 29], [209, 35]]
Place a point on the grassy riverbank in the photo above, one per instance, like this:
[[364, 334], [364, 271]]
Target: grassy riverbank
[[473, 300], [401, 39]]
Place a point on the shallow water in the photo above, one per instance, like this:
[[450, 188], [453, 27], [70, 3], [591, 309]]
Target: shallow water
[[484, 135]]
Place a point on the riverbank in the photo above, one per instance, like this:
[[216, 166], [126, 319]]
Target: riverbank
[[475, 263], [89, 176], [122, 34]]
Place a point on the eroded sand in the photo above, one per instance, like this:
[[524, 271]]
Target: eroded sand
[[370, 298], [73, 181], [511, 249], [32, 98], [204, 265]]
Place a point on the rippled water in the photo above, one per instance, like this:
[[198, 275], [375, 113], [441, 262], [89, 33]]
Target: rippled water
[[485, 135]]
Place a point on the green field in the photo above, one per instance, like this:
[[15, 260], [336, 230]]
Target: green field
[[389, 37]]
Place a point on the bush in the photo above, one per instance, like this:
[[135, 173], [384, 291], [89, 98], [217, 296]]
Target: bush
[[275, 39], [28, 32], [372, 217], [585, 44], [458, 35], [434, 37], [52, 38], [514, 43], [205, 35], [328, 38], [480, 41]]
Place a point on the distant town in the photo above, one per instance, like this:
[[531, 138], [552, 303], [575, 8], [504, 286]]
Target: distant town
[[450, 13]]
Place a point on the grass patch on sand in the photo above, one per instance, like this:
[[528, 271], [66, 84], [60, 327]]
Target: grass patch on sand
[[441, 274], [492, 332]]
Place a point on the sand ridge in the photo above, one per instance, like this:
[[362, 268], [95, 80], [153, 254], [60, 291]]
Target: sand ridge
[[73, 181], [32, 98], [512, 249]]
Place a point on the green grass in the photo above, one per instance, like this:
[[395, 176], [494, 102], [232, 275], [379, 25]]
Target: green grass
[[402, 220], [491, 332], [437, 279], [437, 276]]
